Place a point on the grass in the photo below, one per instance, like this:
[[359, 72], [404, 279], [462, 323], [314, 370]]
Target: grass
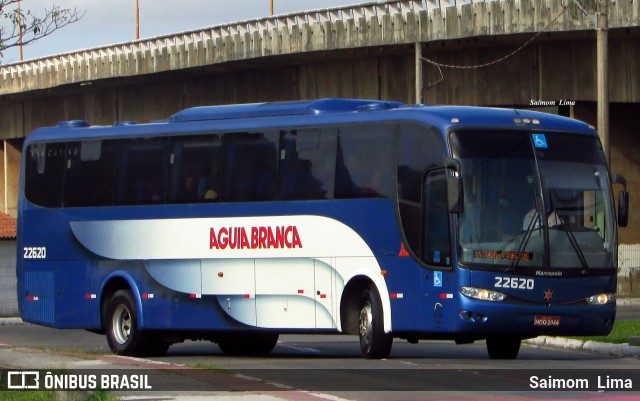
[[101, 395], [622, 330], [27, 395], [206, 366]]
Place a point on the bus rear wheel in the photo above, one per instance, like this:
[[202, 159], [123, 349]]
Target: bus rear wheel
[[501, 347], [123, 335], [374, 342]]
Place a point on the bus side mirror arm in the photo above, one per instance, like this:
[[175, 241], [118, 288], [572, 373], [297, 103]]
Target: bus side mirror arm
[[623, 200], [455, 189]]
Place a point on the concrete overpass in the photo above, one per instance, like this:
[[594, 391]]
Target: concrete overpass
[[372, 50]]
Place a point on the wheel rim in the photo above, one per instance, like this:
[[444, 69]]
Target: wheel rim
[[121, 324], [365, 323]]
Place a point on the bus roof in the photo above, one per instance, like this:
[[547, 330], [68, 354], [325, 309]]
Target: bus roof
[[278, 109], [325, 111]]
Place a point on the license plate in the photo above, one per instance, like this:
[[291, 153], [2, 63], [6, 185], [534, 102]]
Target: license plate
[[548, 321]]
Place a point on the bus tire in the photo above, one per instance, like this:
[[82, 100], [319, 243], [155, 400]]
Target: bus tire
[[248, 344], [501, 347], [121, 323], [374, 342]]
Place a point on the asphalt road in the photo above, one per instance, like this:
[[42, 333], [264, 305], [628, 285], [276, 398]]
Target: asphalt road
[[333, 365]]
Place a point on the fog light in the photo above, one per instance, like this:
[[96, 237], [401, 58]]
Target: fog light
[[602, 299], [482, 294]]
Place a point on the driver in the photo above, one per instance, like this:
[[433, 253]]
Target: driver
[[532, 219]]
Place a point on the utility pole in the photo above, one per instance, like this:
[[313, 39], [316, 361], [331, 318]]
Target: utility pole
[[137, 20], [419, 83], [20, 32], [602, 59], [271, 8]]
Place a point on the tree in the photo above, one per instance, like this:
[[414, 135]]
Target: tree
[[20, 27]]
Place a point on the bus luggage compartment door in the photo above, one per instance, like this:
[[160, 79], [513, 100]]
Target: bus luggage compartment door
[[285, 293], [233, 282]]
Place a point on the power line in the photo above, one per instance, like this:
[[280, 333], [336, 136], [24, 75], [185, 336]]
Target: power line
[[468, 67]]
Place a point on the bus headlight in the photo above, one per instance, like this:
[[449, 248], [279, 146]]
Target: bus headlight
[[482, 294], [602, 299]]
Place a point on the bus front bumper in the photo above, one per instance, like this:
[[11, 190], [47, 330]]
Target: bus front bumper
[[534, 320]]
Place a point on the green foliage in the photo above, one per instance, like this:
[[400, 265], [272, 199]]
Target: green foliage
[[26, 395], [101, 395], [622, 330]]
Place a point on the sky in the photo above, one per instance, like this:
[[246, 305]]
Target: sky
[[108, 22]]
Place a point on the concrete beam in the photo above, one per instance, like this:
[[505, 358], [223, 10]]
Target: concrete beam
[[351, 27]]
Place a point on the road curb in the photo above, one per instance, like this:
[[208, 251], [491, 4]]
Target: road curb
[[591, 346], [10, 321]]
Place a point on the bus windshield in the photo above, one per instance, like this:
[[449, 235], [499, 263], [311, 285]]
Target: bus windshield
[[534, 200]]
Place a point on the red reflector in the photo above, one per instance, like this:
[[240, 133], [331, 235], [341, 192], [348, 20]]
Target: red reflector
[[300, 291], [394, 296], [195, 296], [323, 296], [32, 298], [246, 296], [148, 296], [403, 251], [90, 296]]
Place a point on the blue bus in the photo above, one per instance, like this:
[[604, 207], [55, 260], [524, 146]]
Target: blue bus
[[235, 224]]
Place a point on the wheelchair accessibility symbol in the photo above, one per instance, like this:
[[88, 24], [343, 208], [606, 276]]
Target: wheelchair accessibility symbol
[[437, 279], [539, 141]]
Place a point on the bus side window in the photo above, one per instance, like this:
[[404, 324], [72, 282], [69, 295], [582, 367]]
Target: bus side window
[[418, 148], [307, 164], [195, 169], [89, 174], [44, 173], [365, 162], [250, 165], [437, 238], [141, 171]]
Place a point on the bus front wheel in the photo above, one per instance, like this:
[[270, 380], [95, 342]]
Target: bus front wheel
[[123, 335], [501, 347], [374, 342]]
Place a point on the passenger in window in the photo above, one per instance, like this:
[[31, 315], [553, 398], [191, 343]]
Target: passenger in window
[[156, 189], [210, 195], [375, 185], [189, 190]]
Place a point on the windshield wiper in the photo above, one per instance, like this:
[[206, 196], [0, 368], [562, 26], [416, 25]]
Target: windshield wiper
[[574, 244], [533, 223]]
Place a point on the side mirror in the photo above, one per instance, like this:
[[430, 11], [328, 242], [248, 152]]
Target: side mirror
[[455, 189], [623, 208], [623, 200]]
